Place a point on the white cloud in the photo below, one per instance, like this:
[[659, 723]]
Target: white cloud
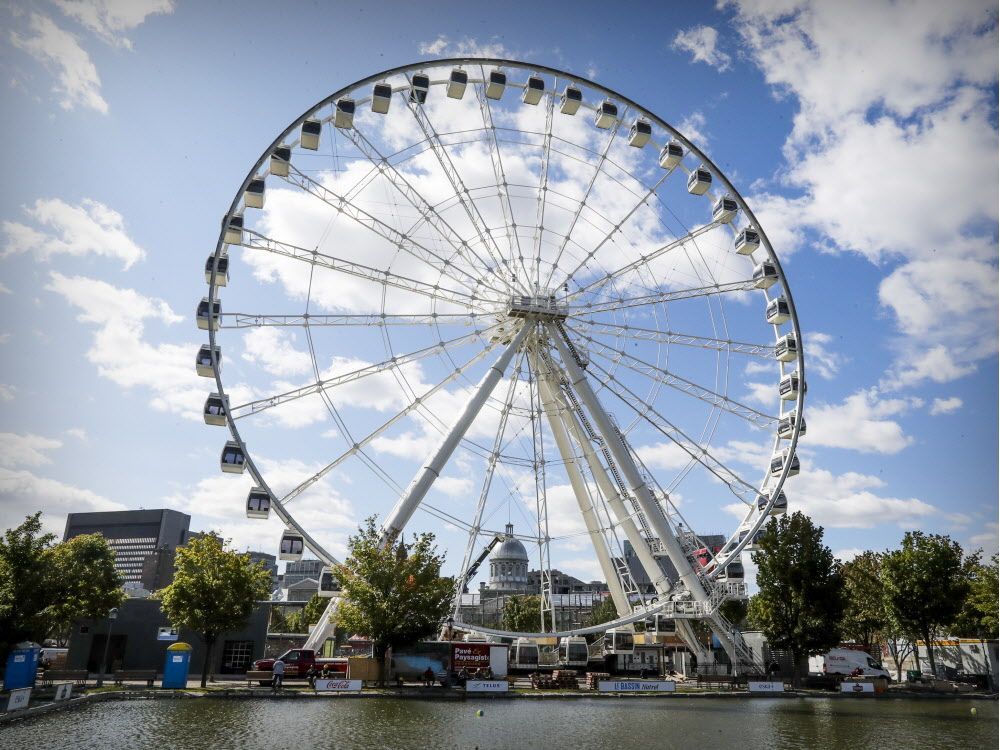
[[820, 359], [274, 351], [4, 289], [946, 405], [78, 83], [936, 365], [7, 392], [22, 493], [25, 450], [77, 432], [666, 455], [109, 19], [454, 486], [90, 227], [848, 554], [702, 43], [860, 423], [986, 541], [693, 128], [467, 46]]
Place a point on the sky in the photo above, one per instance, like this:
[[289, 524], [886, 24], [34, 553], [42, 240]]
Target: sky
[[862, 135]]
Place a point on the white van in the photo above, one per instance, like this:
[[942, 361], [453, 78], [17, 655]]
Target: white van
[[845, 661]]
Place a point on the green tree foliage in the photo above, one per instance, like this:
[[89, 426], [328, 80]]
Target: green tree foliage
[[735, 610], [299, 622], [603, 612], [45, 586], [800, 600], [925, 585], [214, 591], [523, 614], [978, 616], [865, 614], [393, 593]]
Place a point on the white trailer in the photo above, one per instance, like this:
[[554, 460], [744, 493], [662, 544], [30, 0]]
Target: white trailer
[[846, 661]]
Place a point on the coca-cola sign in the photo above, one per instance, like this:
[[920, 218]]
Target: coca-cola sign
[[338, 685]]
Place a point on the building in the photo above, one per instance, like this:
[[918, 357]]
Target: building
[[509, 567], [299, 570], [713, 542], [302, 590], [270, 563], [564, 583], [135, 535]]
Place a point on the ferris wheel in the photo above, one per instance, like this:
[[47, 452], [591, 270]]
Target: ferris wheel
[[473, 294]]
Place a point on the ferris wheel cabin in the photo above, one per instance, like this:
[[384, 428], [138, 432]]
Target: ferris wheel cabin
[[420, 84], [309, 135], [619, 641], [281, 157], [524, 654], [724, 210], [778, 462], [533, 90], [733, 572], [258, 503], [786, 425], [214, 410], [639, 133], [343, 116], [780, 504], [381, 98], [699, 181], [291, 547], [607, 115], [221, 269], [747, 241], [754, 544], [573, 651], [233, 459], [778, 311], [328, 585], [457, 82], [254, 195], [787, 348], [234, 229], [570, 100], [788, 386], [765, 275], [496, 82], [671, 155], [203, 362], [206, 318]]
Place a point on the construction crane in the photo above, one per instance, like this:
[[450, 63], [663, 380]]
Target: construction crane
[[474, 568]]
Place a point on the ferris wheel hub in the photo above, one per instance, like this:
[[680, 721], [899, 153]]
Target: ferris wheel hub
[[541, 306]]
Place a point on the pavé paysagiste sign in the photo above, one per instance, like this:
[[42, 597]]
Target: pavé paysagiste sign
[[470, 655]]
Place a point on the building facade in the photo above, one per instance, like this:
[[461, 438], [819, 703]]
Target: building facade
[[299, 570]]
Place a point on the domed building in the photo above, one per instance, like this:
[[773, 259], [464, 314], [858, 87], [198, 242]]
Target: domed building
[[509, 566]]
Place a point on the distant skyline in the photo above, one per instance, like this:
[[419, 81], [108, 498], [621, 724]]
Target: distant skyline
[[863, 134]]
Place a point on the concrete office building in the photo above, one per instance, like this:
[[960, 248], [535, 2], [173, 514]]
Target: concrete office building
[[299, 570]]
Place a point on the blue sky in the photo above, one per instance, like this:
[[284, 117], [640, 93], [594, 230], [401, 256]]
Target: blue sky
[[863, 135]]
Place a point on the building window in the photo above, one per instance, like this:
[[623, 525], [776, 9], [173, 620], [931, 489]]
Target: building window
[[236, 656]]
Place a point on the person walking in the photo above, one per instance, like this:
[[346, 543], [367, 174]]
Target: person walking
[[277, 674]]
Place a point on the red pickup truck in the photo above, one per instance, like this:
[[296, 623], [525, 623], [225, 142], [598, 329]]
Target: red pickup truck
[[298, 660]]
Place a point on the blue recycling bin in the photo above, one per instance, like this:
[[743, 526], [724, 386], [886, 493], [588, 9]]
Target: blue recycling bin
[[22, 666], [175, 668]]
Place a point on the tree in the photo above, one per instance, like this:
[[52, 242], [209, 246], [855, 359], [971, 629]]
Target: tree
[[25, 584], [214, 591], [523, 614], [734, 610], [602, 613], [299, 622], [865, 613], [925, 585], [84, 581], [393, 591], [978, 616], [800, 600]]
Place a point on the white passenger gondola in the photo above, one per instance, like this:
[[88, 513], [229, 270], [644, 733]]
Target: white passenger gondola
[[660, 625], [524, 654], [457, 82], [570, 100], [281, 157], [607, 115], [533, 90], [381, 98], [765, 275], [254, 195], [309, 135], [291, 547], [639, 133], [208, 319], [573, 652], [328, 585], [234, 229], [733, 572], [788, 386], [780, 504], [671, 155], [699, 181], [619, 640], [496, 82], [214, 410], [420, 84], [258, 503], [233, 459], [786, 426], [787, 348], [754, 544], [778, 311], [724, 210], [203, 362], [747, 241], [343, 116], [221, 269], [778, 462]]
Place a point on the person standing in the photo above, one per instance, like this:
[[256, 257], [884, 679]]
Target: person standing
[[277, 674]]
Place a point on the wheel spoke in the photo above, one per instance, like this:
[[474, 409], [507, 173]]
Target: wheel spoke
[[661, 297], [638, 333], [302, 320]]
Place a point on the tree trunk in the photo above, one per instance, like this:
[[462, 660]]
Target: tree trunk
[[209, 642], [930, 652], [986, 661], [380, 650]]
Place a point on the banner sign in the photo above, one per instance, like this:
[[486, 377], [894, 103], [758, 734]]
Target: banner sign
[[766, 687], [470, 656], [857, 687], [166, 634], [64, 691], [636, 686], [19, 699], [338, 686], [486, 686]]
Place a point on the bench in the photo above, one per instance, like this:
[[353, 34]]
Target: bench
[[263, 676], [78, 676], [718, 680], [136, 675]]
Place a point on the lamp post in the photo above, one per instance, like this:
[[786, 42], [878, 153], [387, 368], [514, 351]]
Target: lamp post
[[112, 616], [451, 637]]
